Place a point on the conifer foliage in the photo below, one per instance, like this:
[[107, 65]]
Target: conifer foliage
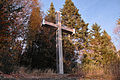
[[50, 17], [41, 48], [33, 29], [11, 29], [101, 52], [72, 19], [69, 14], [24, 41]]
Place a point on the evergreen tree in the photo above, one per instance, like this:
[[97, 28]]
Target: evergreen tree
[[41, 49], [10, 30], [47, 43], [33, 29], [95, 39], [51, 14], [107, 49], [101, 53], [101, 45], [34, 24], [72, 19], [69, 14], [50, 34], [81, 35], [68, 19]]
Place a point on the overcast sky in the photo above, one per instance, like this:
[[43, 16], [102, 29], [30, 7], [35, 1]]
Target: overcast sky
[[103, 12]]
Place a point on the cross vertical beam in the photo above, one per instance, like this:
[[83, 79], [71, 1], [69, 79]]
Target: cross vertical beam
[[59, 44], [57, 51]]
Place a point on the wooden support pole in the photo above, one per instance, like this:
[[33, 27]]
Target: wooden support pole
[[60, 44], [57, 51]]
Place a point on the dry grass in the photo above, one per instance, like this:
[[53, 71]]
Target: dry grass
[[110, 72], [24, 73], [27, 73], [91, 70]]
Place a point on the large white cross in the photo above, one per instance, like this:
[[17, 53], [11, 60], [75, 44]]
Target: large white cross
[[59, 50]]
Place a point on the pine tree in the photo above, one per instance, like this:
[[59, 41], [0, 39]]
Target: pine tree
[[69, 14], [81, 35], [72, 19], [51, 14], [50, 34], [45, 54], [103, 42], [47, 44], [107, 49], [95, 39], [10, 30], [101, 52], [34, 24], [33, 29], [68, 48], [41, 50]]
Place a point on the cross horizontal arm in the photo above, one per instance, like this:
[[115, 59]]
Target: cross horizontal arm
[[50, 24], [68, 29], [56, 26]]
